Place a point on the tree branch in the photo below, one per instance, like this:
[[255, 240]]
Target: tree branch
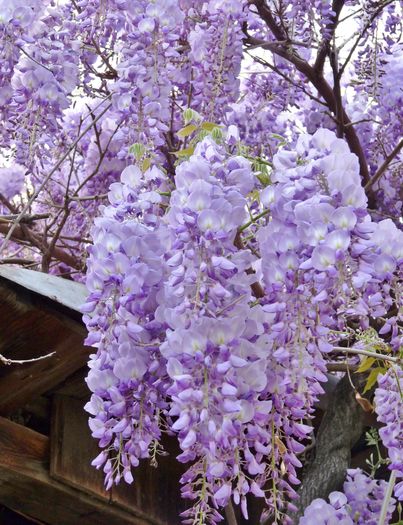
[[368, 353], [268, 17], [19, 235], [318, 81], [384, 166], [25, 219], [324, 48], [362, 33], [15, 224], [341, 427], [257, 288], [7, 361]]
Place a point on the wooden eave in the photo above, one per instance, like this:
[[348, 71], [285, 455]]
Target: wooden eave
[[39, 314]]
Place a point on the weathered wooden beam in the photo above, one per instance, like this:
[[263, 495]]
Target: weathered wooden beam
[[68, 293], [25, 484]]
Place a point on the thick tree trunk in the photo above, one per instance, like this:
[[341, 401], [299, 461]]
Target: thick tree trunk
[[342, 425]]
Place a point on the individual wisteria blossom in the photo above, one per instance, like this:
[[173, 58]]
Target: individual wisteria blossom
[[319, 512], [389, 408]]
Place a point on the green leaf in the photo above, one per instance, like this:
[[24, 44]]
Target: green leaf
[[264, 179], [209, 126], [137, 150], [146, 164], [186, 131], [373, 376], [190, 115], [202, 135], [366, 364], [184, 152], [216, 133]]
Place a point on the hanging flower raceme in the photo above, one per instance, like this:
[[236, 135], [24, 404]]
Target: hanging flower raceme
[[321, 241], [215, 54], [180, 340], [359, 504], [389, 408], [215, 349], [126, 374]]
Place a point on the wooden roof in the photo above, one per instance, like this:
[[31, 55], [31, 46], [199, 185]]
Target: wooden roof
[[39, 314]]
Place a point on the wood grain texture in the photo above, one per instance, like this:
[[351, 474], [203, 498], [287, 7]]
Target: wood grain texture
[[31, 326], [25, 485], [154, 495]]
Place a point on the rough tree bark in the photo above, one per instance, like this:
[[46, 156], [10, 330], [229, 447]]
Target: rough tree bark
[[342, 425]]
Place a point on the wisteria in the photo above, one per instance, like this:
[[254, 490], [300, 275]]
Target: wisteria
[[225, 178], [235, 377], [361, 503], [389, 408]]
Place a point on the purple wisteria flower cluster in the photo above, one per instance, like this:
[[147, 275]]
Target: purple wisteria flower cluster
[[321, 233], [233, 169], [360, 503], [11, 181], [183, 345], [389, 409]]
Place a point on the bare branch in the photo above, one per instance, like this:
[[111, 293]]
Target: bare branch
[[46, 179], [324, 48], [318, 81], [257, 288], [33, 59], [268, 17], [361, 34], [7, 361], [384, 166], [278, 71], [27, 218], [32, 239], [368, 353], [16, 260]]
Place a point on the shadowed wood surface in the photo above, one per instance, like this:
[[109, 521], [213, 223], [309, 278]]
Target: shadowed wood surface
[[25, 484], [32, 326], [155, 492]]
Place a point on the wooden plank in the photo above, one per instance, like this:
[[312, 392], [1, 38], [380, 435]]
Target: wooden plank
[[25, 484], [155, 492], [8, 516], [74, 386], [68, 293], [29, 329]]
